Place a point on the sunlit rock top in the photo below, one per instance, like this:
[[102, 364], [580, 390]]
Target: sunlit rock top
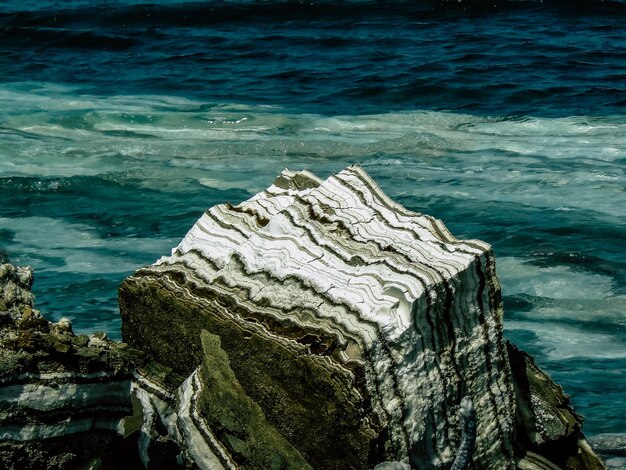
[[403, 318]]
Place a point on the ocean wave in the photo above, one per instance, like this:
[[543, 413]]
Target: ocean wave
[[96, 185], [329, 57], [39, 14], [46, 37]]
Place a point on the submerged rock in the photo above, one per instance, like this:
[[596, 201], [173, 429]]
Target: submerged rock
[[349, 330], [609, 444]]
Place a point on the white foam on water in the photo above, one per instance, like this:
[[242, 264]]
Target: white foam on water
[[81, 249], [558, 341], [557, 164], [553, 282], [610, 312], [567, 307], [562, 293]]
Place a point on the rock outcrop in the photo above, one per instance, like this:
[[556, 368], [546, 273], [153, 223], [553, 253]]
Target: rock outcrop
[[349, 330], [547, 424], [316, 325], [63, 398]]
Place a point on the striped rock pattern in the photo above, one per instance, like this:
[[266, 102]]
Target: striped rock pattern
[[354, 324], [63, 398]]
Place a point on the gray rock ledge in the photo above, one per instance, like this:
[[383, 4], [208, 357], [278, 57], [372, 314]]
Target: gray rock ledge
[[63, 398]]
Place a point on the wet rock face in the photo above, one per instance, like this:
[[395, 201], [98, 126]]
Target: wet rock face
[[549, 430], [62, 396], [15, 285], [234, 418], [354, 325]]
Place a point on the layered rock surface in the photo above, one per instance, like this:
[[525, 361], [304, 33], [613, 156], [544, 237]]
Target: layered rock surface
[[353, 325], [316, 325], [63, 398]]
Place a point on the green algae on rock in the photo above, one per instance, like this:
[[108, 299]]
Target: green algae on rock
[[62, 396], [349, 329], [236, 419]]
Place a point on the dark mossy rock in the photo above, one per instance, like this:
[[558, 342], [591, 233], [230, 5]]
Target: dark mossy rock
[[62, 397], [96, 449], [547, 425], [236, 419], [285, 383]]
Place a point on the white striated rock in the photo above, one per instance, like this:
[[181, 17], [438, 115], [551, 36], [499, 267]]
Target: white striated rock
[[401, 298], [355, 324], [62, 402], [51, 395], [197, 438], [42, 406]]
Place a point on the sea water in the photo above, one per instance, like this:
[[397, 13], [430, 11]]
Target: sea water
[[122, 121]]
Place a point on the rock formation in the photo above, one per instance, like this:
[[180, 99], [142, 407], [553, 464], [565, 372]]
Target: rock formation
[[316, 325], [549, 432], [63, 398], [349, 330], [468, 438]]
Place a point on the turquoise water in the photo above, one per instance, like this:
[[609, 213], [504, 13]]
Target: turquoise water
[[120, 123]]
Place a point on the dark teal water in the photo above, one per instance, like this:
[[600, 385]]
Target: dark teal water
[[120, 122], [517, 57]]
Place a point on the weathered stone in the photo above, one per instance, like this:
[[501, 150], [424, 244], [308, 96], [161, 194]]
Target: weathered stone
[[60, 400], [237, 420], [354, 324], [80, 341], [316, 325], [15, 285], [547, 424], [77, 452]]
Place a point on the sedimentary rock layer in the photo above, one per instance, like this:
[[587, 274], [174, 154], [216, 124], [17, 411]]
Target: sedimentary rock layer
[[208, 415], [549, 432], [63, 398], [354, 324], [316, 325]]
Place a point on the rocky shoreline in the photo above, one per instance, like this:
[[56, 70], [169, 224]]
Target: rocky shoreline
[[63, 397], [316, 325]]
